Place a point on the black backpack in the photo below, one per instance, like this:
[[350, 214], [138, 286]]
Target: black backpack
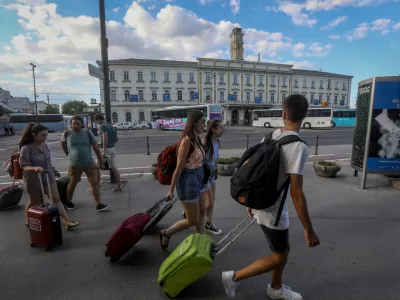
[[255, 182]]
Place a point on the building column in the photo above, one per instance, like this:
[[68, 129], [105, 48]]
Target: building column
[[200, 87], [215, 87]]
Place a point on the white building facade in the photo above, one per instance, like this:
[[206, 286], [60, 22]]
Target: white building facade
[[138, 86]]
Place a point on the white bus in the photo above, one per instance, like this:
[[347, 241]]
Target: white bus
[[316, 118], [174, 117]]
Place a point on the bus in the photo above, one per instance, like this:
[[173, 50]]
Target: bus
[[174, 117], [344, 118], [54, 122], [316, 118]]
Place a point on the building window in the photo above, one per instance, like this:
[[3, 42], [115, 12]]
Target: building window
[[296, 83], [141, 116], [208, 77], [248, 79], [141, 95], [221, 78], [235, 79], [113, 95], [272, 81], [127, 95], [112, 75], [304, 83], [179, 77], [126, 75], [235, 96], [335, 100], [272, 98], [336, 85], [329, 84], [166, 92], [313, 84], [283, 97], [320, 99], [284, 81], [344, 86], [221, 96], [180, 95], [343, 98], [166, 76], [312, 99], [191, 95], [260, 80], [140, 76], [248, 96], [328, 99], [321, 84], [153, 76], [154, 95], [114, 117], [128, 117], [260, 95], [208, 96], [191, 77]]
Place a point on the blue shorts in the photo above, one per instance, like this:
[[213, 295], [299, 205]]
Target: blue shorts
[[212, 177], [190, 185]]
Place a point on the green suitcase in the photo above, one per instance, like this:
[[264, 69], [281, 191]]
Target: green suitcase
[[189, 261]]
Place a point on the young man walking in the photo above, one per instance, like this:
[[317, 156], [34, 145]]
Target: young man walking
[[294, 157], [108, 138], [77, 144]]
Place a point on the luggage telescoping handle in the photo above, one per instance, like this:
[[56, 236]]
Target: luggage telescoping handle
[[230, 233], [166, 202], [42, 187]]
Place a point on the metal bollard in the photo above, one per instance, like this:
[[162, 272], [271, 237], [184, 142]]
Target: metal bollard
[[247, 142], [355, 173], [316, 146], [148, 146]]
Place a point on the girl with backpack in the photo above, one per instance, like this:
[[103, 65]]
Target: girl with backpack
[[188, 178], [35, 158], [215, 130]]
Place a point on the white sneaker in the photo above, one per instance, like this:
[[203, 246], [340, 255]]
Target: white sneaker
[[285, 293], [229, 285], [211, 228]]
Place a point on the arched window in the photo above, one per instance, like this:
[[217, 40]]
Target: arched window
[[154, 95], [127, 95], [260, 95], [141, 116], [272, 98], [248, 96], [180, 95], [166, 92], [221, 96], [283, 97], [141, 95], [208, 96], [113, 95], [114, 117], [128, 117]]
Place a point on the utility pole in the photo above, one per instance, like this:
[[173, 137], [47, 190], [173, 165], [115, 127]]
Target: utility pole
[[48, 99], [104, 58], [34, 92]]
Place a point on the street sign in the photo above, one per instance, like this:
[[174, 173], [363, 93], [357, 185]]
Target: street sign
[[95, 72]]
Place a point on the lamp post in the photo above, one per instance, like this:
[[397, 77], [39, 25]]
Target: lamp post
[[34, 91]]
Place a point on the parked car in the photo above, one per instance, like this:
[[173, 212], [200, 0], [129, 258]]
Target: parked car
[[131, 125]]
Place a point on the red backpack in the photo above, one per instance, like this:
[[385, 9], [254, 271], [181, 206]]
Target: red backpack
[[166, 164], [13, 167]]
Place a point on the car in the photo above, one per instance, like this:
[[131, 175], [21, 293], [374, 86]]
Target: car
[[131, 125]]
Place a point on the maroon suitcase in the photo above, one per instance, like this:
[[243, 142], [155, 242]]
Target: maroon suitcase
[[133, 229], [10, 196]]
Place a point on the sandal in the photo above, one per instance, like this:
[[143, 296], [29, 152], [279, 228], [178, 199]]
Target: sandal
[[71, 225], [163, 246]]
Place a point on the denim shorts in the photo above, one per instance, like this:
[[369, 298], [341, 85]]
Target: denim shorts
[[212, 177], [190, 185]]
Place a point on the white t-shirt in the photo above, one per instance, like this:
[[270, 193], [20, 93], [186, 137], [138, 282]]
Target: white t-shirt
[[293, 159]]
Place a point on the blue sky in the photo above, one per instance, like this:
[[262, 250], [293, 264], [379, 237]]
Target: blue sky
[[353, 37]]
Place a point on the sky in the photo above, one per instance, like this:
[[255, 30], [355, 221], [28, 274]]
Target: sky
[[360, 38]]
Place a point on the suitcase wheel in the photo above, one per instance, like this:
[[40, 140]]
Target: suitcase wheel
[[106, 254], [113, 260], [49, 249], [33, 245]]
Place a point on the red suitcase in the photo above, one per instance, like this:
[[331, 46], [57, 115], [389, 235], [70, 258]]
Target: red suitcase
[[10, 196], [44, 223], [133, 229]]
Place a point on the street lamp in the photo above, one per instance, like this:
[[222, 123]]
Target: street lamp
[[34, 91]]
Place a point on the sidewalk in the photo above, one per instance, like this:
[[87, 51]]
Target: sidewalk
[[356, 260]]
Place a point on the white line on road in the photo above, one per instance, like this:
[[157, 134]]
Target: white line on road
[[313, 155]]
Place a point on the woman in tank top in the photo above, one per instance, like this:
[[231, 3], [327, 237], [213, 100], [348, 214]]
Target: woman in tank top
[[188, 179]]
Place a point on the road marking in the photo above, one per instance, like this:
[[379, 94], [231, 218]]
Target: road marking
[[313, 155], [349, 153], [3, 149], [130, 168]]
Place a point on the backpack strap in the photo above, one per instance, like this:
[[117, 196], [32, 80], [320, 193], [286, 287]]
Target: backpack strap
[[285, 189], [290, 139]]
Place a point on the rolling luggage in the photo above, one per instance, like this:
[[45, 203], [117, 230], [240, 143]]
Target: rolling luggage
[[133, 228], [62, 184], [191, 260], [44, 222], [10, 196]]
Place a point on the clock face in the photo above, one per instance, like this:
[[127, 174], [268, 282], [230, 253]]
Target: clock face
[[239, 37]]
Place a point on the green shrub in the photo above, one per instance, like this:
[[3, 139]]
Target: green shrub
[[228, 160], [327, 163]]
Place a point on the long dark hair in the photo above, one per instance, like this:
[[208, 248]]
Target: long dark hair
[[193, 118], [30, 129], [209, 147]]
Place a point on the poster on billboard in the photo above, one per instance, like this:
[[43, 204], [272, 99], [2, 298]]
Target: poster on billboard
[[384, 148]]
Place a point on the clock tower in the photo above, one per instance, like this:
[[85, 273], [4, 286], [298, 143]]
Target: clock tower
[[237, 44]]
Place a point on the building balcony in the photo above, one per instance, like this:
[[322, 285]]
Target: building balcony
[[304, 87], [153, 81], [166, 81], [139, 81], [127, 80], [221, 83], [260, 85], [272, 86], [192, 82], [178, 81], [207, 82], [235, 83], [285, 86], [248, 84]]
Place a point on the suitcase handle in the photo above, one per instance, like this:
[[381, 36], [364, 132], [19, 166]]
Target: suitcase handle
[[229, 234], [42, 187], [166, 202]]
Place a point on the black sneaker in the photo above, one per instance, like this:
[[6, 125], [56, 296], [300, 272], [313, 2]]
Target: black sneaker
[[69, 205], [210, 227], [102, 207]]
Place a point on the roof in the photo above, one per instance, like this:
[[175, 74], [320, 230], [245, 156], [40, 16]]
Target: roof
[[318, 73], [151, 62]]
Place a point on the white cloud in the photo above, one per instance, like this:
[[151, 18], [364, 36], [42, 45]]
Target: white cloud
[[7, 48], [116, 9], [272, 8], [335, 37], [152, 7], [361, 31], [396, 26], [204, 2], [298, 50], [381, 25], [235, 6], [294, 10], [315, 49], [335, 22]]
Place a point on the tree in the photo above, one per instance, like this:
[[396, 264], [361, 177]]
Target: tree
[[73, 107], [50, 109]]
